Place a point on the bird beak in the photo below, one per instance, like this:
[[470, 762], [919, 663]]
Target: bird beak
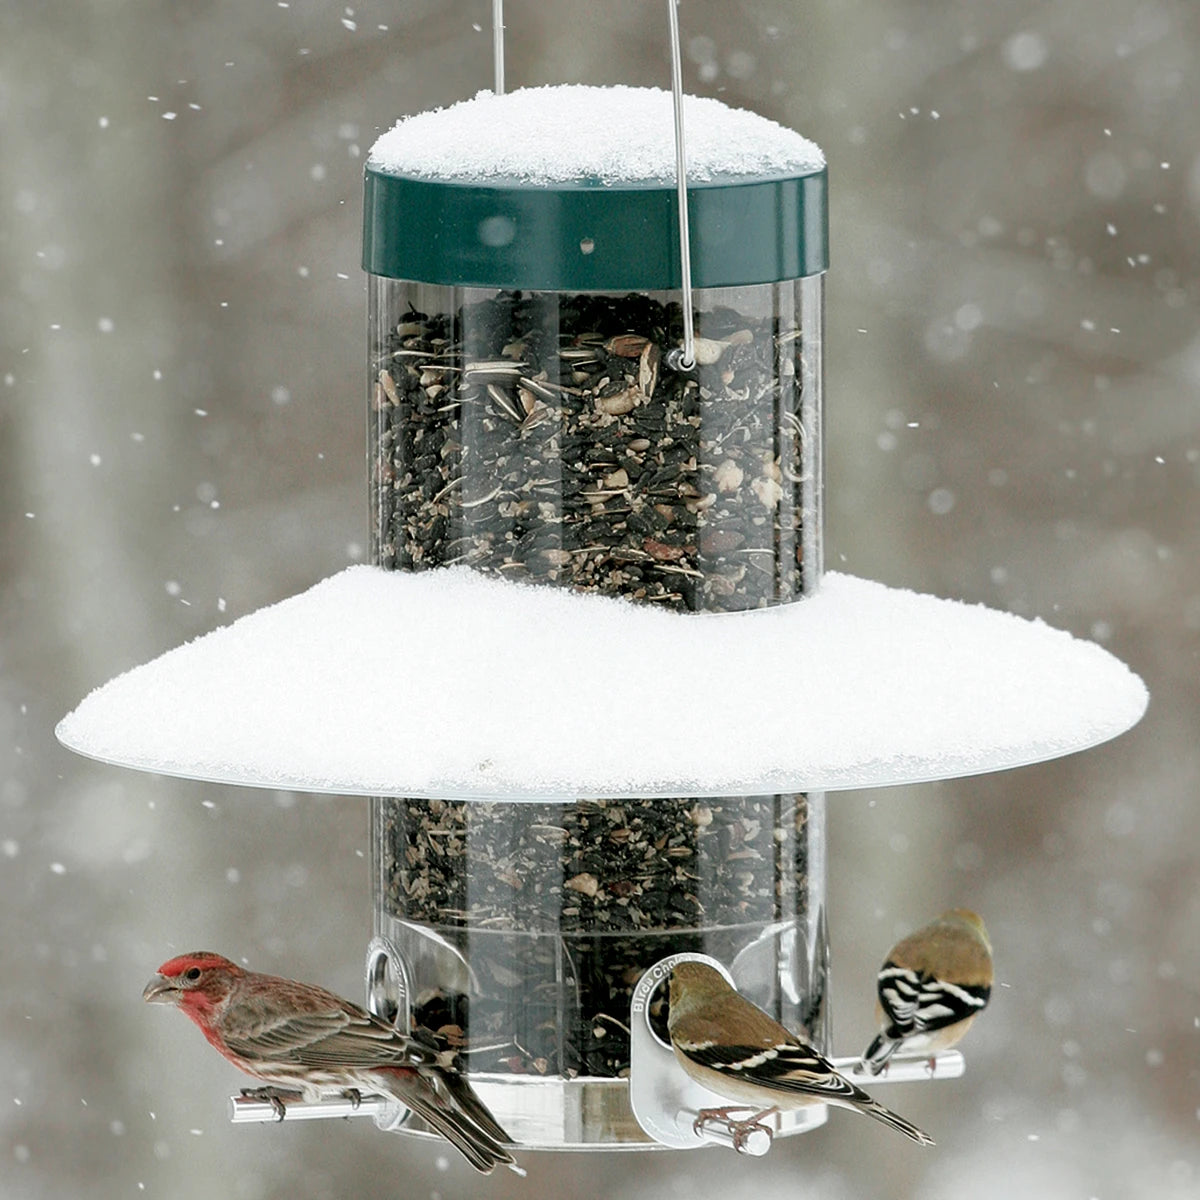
[[160, 991]]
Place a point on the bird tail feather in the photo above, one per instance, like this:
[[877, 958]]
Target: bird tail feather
[[474, 1108], [873, 1108], [469, 1136]]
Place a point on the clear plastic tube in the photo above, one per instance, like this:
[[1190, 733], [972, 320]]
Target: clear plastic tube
[[543, 436]]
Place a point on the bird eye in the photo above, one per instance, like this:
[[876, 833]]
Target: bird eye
[[193, 974]]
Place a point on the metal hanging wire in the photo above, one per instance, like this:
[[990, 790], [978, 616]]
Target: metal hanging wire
[[498, 46], [683, 358]]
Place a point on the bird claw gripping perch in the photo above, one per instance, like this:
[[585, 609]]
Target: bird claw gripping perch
[[280, 1098], [250, 1108], [277, 1098], [907, 1068], [747, 1135]]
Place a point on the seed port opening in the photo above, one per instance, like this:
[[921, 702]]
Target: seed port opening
[[658, 1009], [388, 990]]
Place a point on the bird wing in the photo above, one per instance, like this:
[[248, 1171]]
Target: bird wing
[[918, 1002], [786, 1066], [317, 1029]]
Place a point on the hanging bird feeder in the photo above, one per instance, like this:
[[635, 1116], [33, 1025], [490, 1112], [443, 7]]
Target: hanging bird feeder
[[594, 682], [552, 401]]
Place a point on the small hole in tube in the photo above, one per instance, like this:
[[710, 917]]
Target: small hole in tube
[[382, 998], [587, 245]]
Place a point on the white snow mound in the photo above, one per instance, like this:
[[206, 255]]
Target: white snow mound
[[572, 132], [449, 683]]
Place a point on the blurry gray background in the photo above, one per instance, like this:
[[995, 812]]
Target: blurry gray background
[[1013, 411]]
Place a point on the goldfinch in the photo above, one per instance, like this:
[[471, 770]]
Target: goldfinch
[[933, 985], [733, 1048]]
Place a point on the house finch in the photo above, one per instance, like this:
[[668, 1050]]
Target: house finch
[[934, 983], [735, 1049], [304, 1040]]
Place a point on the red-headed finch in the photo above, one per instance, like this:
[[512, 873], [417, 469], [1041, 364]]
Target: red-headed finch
[[303, 1040], [932, 986], [735, 1049]]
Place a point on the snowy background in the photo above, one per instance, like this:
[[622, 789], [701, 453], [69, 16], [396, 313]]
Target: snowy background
[[1013, 413]]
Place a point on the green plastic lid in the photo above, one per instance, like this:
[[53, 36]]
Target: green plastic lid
[[573, 188], [593, 236]]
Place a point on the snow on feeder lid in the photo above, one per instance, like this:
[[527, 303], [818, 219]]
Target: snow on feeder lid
[[574, 188]]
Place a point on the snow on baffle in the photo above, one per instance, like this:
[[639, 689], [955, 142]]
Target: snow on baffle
[[452, 684]]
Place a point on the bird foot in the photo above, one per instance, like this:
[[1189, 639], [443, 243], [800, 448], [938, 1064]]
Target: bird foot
[[354, 1096], [716, 1114], [276, 1097], [742, 1129]]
